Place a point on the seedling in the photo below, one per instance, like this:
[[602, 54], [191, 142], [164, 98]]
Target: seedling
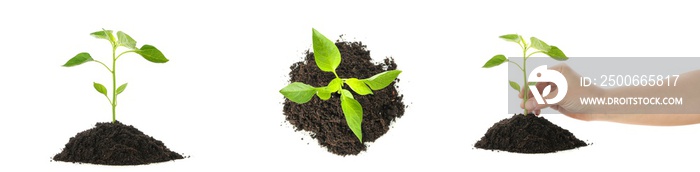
[[146, 51], [327, 57], [538, 45]]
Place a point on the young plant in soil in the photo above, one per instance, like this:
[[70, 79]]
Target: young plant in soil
[[115, 143], [527, 133], [538, 46], [327, 58], [324, 119], [146, 51]]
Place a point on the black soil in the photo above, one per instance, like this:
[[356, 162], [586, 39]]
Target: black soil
[[115, 144], [528, 134], [325, 120]]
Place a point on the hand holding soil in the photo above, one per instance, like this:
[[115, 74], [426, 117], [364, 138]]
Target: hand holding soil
[[659, 115]]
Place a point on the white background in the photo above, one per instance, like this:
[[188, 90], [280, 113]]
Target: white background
[[217, 99]]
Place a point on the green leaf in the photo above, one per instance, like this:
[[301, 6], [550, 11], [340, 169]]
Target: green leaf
[[556, 54], [126, 40], [335, 85], [121, 88], [514, 85], [100, 88], [323, 93], [151, 53], [103, 34], [539, 44], [381, 80], [326, 54], [353, 114], [298, 92], [495, 61], [358, 86], [346, 93], [511, 37], [78, 59]]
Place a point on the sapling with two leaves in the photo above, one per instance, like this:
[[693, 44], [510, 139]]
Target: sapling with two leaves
[[538, 47], [146, 51], [327, 58]]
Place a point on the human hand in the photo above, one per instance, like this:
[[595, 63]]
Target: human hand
[[570, 105]]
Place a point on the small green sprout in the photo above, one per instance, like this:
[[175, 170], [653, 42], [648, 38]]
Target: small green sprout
[[538, 45], [327, 57], [148, 52]]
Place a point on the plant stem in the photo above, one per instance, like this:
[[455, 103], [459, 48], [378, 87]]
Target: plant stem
[[516, 64], [534, 53], [120, 54], [103, 64], [525, 84], [114, 84]]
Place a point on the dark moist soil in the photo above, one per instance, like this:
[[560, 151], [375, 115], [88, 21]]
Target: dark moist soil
[[115, 144], [528, 134], [325, 119]]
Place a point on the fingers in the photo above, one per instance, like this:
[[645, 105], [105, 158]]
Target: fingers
[[532, 105], [522, 90], [540, 86], [536, 112], [520, 94], [562, 106]]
